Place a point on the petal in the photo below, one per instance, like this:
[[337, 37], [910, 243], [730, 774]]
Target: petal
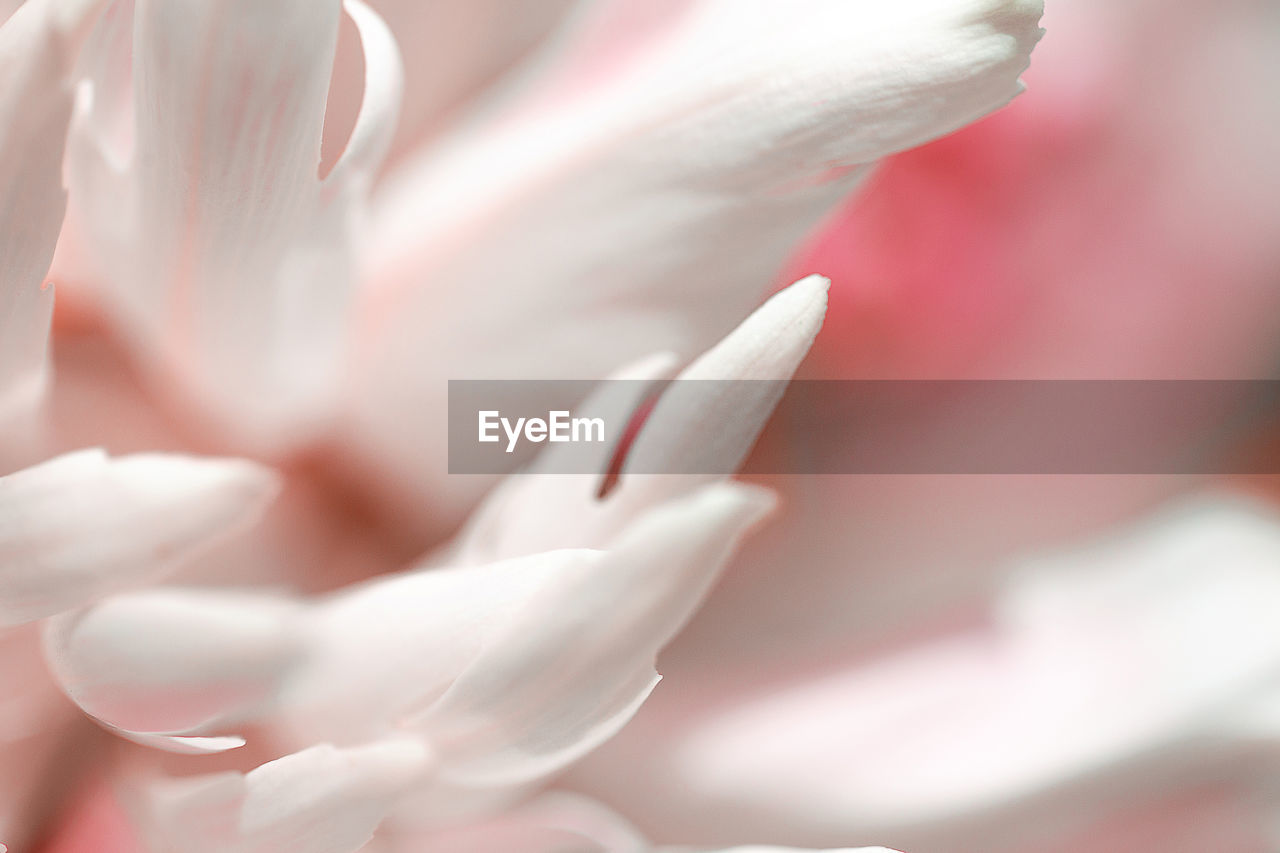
[[574, 664], [931, 270], [703, 426], [709, 421], [648, 208], [227, 258], [320, 800], [165, 667], [38, 46], [379, 652], [85, 525], [543, 508], [379, 106], [514, 668]]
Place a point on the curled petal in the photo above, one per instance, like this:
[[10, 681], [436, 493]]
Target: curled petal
[[38, 46], [380, 105], [166, 667], [86, 525]]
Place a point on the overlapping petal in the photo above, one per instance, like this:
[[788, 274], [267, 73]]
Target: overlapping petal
[[648, 204], [38, 47], [84, 525], [165, 667], [320, 800], [507, 669], [226, 258], [576, 664], [695, 425]]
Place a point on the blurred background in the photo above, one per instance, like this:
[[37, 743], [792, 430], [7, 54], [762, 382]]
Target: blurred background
[[1120, 220]]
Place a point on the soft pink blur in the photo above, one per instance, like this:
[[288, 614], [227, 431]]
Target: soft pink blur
[[1116, 221]]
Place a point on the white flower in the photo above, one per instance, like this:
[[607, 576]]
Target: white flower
[[633, 190]]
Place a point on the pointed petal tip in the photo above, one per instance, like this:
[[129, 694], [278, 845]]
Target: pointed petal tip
[[811, 290], [652, 366], [802, 305], [181, 744], [757, 502]]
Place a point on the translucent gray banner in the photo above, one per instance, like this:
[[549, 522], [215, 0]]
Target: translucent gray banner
[[1175, 427]]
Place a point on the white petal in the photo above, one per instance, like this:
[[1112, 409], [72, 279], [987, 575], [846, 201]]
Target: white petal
[[704, 426], [648, 205], [167, 667], [85, 525], [38, 46], [228, 259], [543, 508], [511, 670], [384, 650], [380, 105], [710, 423], [514, 668], [576, 662], [320, 800]]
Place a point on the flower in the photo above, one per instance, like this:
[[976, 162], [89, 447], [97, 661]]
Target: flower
[[616, 206], [1116, 221]]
